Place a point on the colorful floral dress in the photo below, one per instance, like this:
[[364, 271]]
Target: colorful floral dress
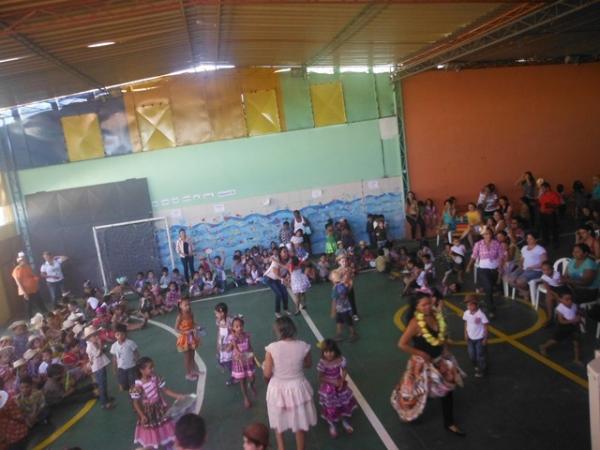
[[242, 361], [299, 281], [159, 429], [336, 402]]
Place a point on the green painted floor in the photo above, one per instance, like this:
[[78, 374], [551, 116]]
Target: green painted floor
[[521, 404]]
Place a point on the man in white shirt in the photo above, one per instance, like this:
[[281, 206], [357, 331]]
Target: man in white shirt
[[52, 272]]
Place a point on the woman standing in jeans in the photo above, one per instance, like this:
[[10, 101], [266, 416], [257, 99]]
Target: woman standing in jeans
[[488, 253], [185, 250], [273, 278]]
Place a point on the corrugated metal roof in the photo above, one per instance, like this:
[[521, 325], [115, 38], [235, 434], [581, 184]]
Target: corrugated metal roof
[[155, 37]]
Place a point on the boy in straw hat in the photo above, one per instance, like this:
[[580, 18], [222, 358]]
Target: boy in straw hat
[[476, 333], [21, 336], [98, 361]]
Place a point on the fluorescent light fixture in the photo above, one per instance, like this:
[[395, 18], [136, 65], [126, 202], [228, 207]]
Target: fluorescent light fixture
[[285, 69], [101, 44], [356, 69], [16, 58], [212, 67], [522, 60], [383, 68], [320, 69], [442, 66]]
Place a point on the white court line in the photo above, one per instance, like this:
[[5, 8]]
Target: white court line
[[233, 294], [201, 367], [362, 401]]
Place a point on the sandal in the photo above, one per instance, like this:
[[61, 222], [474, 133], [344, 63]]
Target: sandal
[[332, 431], [347, 427]]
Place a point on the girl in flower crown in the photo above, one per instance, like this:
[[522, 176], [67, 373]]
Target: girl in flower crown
[[432, 371]]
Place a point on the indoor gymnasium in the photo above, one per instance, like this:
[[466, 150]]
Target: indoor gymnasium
[[299, 224]]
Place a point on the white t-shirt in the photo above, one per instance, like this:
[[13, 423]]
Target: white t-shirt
[[93, 303], [566, 312], [98, 359], [125, 353], [552, 280], [534, 257], [43, 368], [475, 324], [53, 271]]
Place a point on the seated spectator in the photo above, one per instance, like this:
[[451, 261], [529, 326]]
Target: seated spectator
[[256, 437], [585, 235], [57, 389], [238, 271], [530, 266], [474, 224], [381, 264], [190, 432], [13, 426], [31, 402]]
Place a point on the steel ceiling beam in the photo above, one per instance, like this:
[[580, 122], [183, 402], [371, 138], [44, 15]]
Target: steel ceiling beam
[[188, 33], [218, 26], [357, 23], [33, 47], [540, 17]]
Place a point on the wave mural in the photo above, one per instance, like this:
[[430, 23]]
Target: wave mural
[[239, 233]]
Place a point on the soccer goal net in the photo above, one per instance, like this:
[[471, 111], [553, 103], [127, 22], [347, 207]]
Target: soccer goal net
[[126, 248]]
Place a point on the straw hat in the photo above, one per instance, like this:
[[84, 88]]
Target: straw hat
[[18, 363], [90, 331], [33, 337], [37, 321], [6, 337], [18, 323], [67, 325], [30, 353], [3, 398]]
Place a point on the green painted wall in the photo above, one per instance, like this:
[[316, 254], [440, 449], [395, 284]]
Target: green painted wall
[[260, 165], [296, 102]]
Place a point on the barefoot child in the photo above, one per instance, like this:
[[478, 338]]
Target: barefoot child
[[335, 397], [188, 340], [568, 317], [476, 334], [125, 354], [341, 311], [154, 428], [242, 362]]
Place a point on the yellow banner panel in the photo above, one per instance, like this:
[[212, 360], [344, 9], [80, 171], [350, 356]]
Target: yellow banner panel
[[83, 137], [328, 104], [190, 110], [132, 125], [224, 101], [263, 78], [262, 114], [156, 126]]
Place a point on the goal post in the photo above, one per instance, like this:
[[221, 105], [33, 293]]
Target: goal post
[[125, 248]]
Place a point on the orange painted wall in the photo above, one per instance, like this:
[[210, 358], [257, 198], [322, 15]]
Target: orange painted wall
[[468, 128]]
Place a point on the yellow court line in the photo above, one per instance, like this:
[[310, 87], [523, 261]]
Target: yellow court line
[[63, 429]]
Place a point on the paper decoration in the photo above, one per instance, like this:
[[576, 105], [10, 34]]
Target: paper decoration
[[165, 202], [266, 201], [219, 207], [197, 196], [227, 193], [373, 184], [208, 195], [186, 198], [175, 200], [388, 127], [317, 193]]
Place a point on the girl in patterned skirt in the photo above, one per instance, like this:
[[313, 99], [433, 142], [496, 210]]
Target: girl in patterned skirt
[[154, 428], [335, 397], [242, 362]]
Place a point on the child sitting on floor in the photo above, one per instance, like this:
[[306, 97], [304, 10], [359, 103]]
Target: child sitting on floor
[[569, 318]]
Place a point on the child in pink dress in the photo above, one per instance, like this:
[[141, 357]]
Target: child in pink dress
[[154, 428], [242, 361]]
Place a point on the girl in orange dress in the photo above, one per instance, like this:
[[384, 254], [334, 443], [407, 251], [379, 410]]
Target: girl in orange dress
[[188, 340]]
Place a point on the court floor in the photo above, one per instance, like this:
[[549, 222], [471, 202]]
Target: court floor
[[526, 401]]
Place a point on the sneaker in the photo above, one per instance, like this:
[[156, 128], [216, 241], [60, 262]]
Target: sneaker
[[355, 318], [287, 313], [277, 316], [347, 427]]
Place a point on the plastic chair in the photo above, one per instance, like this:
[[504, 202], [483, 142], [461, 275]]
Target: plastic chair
[[536, 286]]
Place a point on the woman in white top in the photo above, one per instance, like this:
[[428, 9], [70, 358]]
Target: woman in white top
[[185, 250], [52, 272], [273, 278], [530, 266], [290, 403]]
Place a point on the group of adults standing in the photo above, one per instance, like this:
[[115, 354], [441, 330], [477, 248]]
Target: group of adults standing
[[28, 283]]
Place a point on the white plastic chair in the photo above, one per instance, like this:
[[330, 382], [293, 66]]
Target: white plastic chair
[[437, 239], [536, 286]]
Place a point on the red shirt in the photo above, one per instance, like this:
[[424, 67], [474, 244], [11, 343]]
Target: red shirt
[[12, 424], [549, 201]]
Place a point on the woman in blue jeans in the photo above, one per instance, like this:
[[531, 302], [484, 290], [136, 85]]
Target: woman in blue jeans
[[185, 250], [272, 278]]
